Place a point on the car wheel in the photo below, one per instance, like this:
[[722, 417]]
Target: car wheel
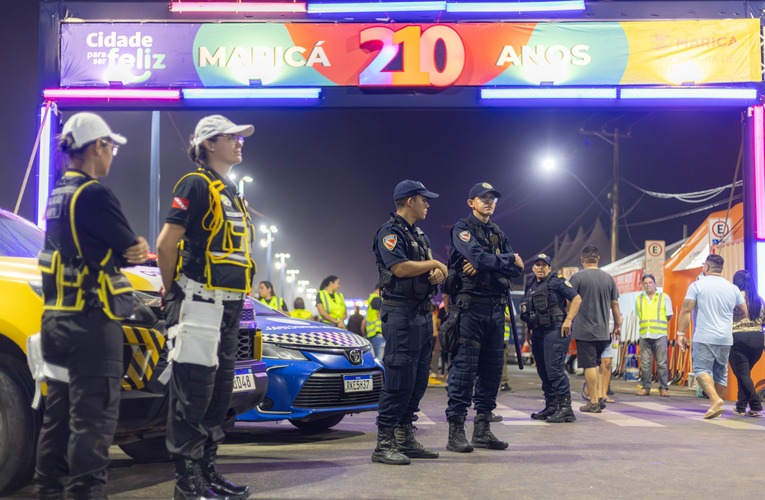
[[150, 450], [317, 424], [19, 424]]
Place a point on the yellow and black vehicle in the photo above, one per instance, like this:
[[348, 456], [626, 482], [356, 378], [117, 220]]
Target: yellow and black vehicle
[[143, 406]]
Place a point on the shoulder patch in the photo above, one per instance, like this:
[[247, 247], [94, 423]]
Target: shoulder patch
[[464, 236], [180, 203], [568, 283], [224, 199], [390, 241]]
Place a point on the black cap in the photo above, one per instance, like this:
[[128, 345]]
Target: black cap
[[543, 257], [481, 189], [407, 188]]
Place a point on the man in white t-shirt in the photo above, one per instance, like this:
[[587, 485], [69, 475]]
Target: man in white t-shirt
[[712, 300]]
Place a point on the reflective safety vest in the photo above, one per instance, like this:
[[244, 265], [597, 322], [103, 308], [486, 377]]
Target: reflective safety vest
[[652, 318], [70, 283], [334, 307], [301, 314], [227, 251], [374, 323], [507, 324], [274, 302]]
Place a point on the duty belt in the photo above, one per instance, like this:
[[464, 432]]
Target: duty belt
[[466, 299], [198, 289], [411, 304]]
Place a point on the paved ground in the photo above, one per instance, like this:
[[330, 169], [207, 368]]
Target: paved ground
[[640, 447]]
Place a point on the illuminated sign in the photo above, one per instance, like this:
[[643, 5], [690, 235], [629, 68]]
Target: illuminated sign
[[409, 55]]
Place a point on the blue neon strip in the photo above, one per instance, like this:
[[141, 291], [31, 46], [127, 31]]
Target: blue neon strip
[[549, 93], [356, 7], [688, 93], [288, 93], [44, 165], [542, 6]]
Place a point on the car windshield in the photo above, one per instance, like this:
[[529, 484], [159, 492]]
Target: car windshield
[[263, 310], [18, 237]]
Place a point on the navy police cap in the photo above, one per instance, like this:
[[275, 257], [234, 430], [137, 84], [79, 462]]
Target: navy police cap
[[481, 189], [544, 258], [408, 188]]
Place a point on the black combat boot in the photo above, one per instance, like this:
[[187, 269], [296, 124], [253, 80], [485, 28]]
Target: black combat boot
[[189, 482], [457, 440], [482, 435], [408, 444], [218, 483], [551, 405], [386, 451], [564, 413]]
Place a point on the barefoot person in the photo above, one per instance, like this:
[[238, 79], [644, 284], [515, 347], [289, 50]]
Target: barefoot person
[[712, 300]]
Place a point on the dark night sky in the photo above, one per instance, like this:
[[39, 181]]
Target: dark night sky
[[325, 177]]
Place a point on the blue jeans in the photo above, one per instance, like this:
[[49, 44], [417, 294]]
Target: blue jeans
[[549, 350], [648, 349], [378, 345]]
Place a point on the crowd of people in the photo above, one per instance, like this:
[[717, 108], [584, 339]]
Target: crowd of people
[[207, 270]]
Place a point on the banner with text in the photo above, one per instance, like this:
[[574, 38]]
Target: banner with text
[[409, 55]]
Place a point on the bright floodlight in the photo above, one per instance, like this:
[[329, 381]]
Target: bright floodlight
[[247, 178], [273, 229], [232, 176], [263, 228], [264, 243], [548, 164]]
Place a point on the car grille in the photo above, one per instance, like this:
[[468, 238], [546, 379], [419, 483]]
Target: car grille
[[248, 314], [325, 389], [244, 349]]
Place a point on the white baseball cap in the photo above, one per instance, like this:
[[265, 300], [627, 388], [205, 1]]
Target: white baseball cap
[[213, 125], [87, 127]]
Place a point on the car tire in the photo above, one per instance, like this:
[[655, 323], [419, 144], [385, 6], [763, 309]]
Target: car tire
[[317, 424], [149, 450], [19, 424]]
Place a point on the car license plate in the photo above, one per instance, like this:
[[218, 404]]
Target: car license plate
[[357, 383], [244, 380]]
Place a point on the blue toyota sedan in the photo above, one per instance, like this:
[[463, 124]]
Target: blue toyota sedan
[[317, 373]]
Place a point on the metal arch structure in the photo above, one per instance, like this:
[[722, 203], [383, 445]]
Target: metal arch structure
[[54, 14]]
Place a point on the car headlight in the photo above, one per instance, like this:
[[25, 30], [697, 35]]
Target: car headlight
[[143, 308], [273, 351]]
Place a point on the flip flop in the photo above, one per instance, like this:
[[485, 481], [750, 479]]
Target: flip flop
[[714, 413], [609, 400]]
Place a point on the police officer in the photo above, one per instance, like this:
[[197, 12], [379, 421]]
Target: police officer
[[408, 275], [204, 257], [87, 241], [544, 311], [269, 298], [481, 264]]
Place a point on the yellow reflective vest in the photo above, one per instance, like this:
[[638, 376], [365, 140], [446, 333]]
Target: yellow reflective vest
[[374, 323], [301, 314], [274, 302], [652, 315], [334, 307], [507, 324]]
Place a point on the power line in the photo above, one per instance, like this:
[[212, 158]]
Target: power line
[[694, 197], [681, 214]]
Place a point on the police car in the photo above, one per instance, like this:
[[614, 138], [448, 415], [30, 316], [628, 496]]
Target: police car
[[317, 373], [143, 403]]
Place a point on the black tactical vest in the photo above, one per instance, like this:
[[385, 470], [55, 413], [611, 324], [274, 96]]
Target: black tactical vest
[[494, 241], [417, 249], [541, 307]]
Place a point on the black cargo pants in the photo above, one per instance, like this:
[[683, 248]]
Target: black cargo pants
[[200, 396], [80, 417]]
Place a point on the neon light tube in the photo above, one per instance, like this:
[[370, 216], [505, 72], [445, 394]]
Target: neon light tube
[[55, 94], [758, 153], [549, 93], [356, 7], [760, 258], [289, 93], [688, 93], [237, 7], [43, 166], [542, 6]]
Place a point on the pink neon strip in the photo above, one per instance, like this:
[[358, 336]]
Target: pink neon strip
[[758, 149], [111, 94], [237, 7]]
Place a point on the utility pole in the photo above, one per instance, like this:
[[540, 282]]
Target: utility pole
[[613, 139]]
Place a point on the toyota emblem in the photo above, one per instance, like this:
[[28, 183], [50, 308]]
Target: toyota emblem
[[354, 356]]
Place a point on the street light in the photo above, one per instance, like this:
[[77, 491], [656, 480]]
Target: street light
[[266, 242], [244, 179], [291, 273], [302, 285], [282, 266]]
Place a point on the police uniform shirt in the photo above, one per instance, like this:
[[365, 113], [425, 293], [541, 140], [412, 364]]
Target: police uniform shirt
[[390, 246], [465, 246], [563, 290], [191, 201], [100, 224]]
